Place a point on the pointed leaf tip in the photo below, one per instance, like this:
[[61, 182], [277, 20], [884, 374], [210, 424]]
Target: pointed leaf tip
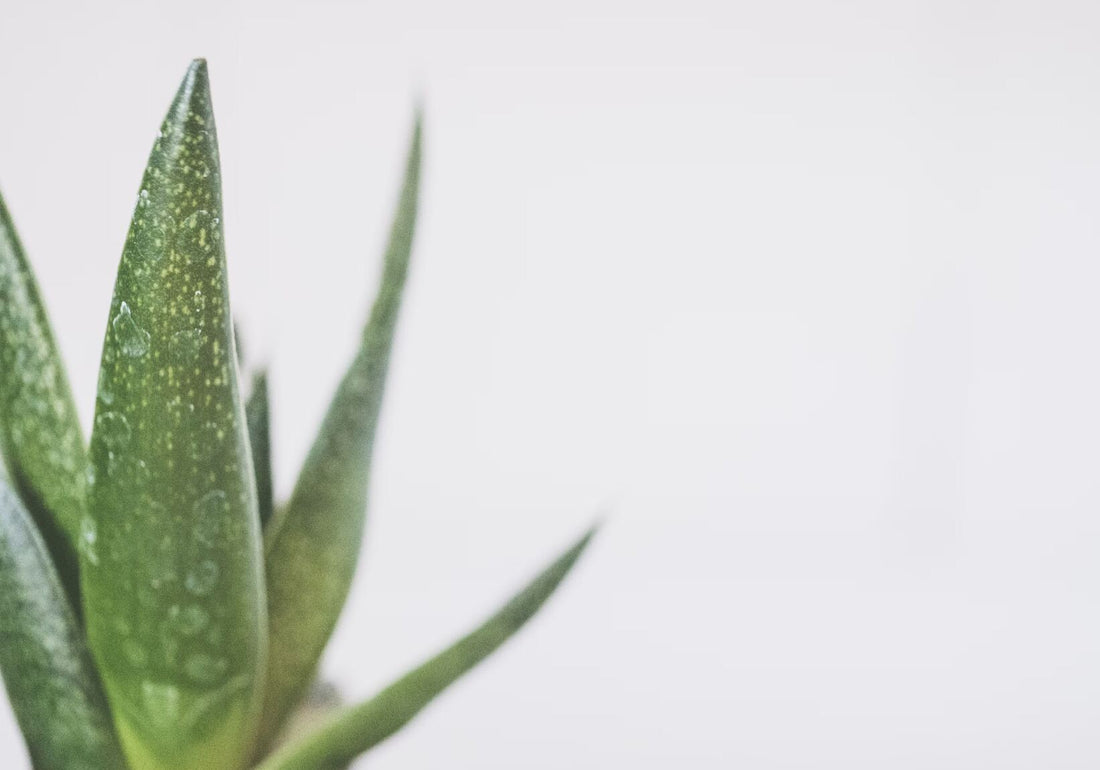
[[257, 411], [312, 543], [40, 437], [197, 77], [174, 586], [353, 731]]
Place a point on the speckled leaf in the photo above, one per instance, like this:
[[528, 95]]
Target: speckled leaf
[[173, 586], [258, 413], [49, 675], [355, 730], [40, 435], [312, 545]]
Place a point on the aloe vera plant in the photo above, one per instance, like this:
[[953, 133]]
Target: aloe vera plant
[[159, 610]]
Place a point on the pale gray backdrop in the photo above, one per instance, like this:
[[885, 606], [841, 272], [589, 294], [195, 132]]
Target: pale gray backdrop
[[804, 294]]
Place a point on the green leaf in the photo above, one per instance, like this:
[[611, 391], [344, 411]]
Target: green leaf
[[312, 544], [48, 673], [238, 340], [40, 435], [258, 414], [355, 730], [173, 588]]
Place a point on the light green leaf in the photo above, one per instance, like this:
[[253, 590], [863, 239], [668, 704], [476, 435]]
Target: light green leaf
[[49, 675], [173, 586], [257, 411], [353, 731], [312, 544], [40, 436]]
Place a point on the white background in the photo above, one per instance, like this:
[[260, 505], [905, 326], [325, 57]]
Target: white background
[[803, 294]]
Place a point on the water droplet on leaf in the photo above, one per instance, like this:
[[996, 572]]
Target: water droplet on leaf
[[190, 620], [185, 345], [202, 578], [197, 235], [133, 341], [161, 701], [210, 513], [204, 669]]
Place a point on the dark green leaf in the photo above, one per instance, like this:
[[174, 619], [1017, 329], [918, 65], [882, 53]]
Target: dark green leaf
[[173, 588], [355, 730], [48, 673], [312, 545], [40, 435], [258, 413]]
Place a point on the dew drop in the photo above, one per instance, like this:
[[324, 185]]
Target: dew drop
[[204, 669], [185, 345], [202, 578], [197, 235], [190, 620], [152, 237], [162, 570], [133, 341], [210, 513], [113, 429], [161, 701], [198, 301], [88, 537]]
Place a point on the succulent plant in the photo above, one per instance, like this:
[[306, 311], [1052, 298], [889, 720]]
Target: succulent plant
[[159, 611]]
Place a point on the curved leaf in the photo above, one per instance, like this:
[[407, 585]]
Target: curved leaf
[[49, 675], [355, 730], [173, 586], [40, 435], [312, 545], [257, 411]]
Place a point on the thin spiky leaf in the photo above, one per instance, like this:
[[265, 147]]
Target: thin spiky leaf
[[40, 436], [173, 589], [358, 729], [257, 411], [312, 545], [49, 675]]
